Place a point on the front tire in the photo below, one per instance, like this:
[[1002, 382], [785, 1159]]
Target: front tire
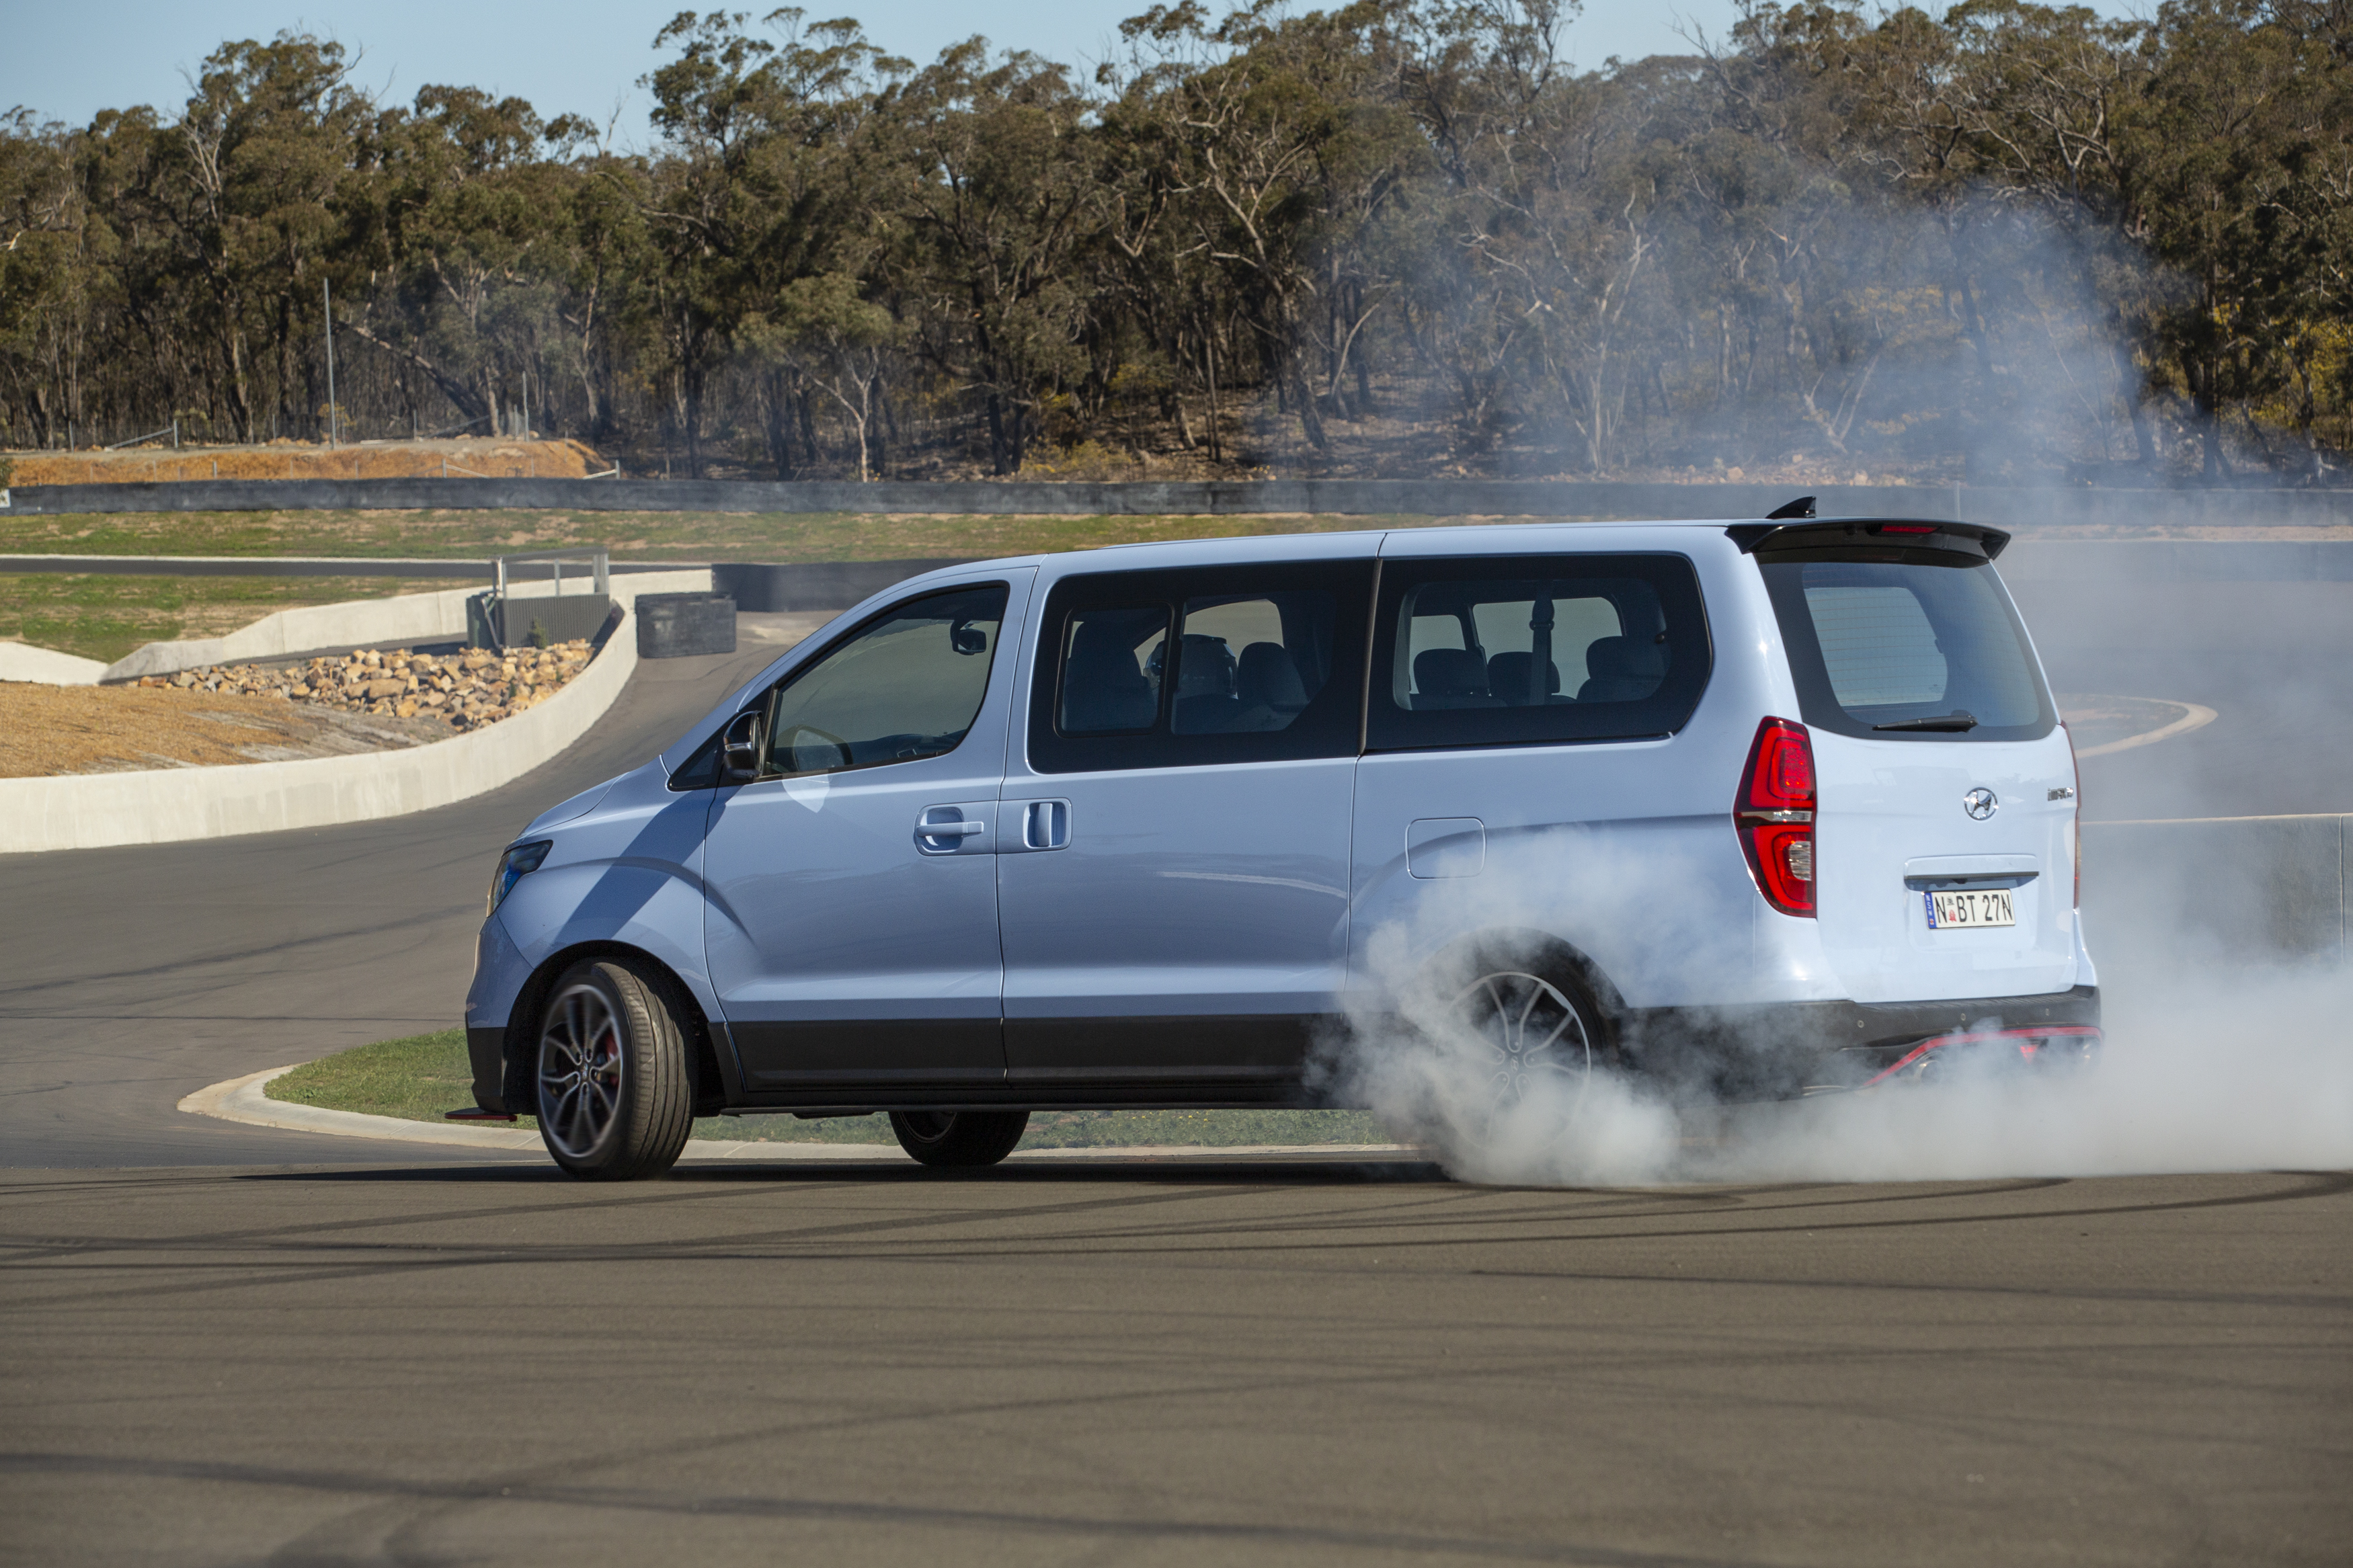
[[615, 1091], [959, 1138]]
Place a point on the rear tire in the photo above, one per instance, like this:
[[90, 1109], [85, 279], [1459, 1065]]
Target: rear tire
[[615, 1087], [1528, 1033], [959, 1138]]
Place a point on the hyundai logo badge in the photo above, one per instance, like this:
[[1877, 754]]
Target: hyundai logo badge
[[1981, 803]]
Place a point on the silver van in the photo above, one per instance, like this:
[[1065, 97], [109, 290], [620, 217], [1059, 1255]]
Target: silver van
[[1757, 808]]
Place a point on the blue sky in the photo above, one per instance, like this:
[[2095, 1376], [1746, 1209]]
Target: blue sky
[[69, 60]]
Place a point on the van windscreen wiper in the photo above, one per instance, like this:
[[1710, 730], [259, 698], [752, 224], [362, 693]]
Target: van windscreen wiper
[[1957, 722]]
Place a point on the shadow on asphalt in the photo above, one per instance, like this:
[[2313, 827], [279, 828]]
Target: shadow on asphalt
[[1206, 1170]]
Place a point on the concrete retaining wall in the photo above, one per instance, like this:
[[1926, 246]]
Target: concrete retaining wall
[[87, 811], [47, 666], [1425, 497], [361, 623]]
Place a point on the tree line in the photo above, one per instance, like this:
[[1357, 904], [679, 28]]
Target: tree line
[[1404, 237]]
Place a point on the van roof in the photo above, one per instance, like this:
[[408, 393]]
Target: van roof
[[1246, 547]]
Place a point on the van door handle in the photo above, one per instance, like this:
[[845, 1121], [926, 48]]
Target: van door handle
[[940, 828], [1046, 824]]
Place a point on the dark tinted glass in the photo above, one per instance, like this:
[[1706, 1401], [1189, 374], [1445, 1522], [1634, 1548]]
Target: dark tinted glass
[[1256, 670], [905, 685], [1531, 649], [1250, 663], [1874, 643], [1112, 658]]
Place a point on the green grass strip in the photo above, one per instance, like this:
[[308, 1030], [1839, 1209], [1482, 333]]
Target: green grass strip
[[419, 1078]]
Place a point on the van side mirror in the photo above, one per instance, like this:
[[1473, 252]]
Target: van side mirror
[[739, 750]]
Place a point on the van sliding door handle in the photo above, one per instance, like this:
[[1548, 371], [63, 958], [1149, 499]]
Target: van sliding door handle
[[952, 829], [1046, 824]]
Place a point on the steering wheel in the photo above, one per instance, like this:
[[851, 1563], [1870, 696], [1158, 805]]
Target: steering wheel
[[792, 744]]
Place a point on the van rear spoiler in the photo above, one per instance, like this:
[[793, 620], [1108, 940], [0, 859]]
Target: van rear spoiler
[[1845, 533]]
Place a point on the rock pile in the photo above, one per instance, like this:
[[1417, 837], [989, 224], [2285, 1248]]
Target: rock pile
[[469, 689]]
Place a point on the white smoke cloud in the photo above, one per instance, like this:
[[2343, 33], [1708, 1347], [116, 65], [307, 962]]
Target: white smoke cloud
[[2251, 1070]]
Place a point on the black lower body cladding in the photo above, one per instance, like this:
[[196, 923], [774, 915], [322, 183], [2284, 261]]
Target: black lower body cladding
[[1777, 1050], [486, 1054]]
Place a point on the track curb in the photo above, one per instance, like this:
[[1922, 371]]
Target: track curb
[[243, 1100]]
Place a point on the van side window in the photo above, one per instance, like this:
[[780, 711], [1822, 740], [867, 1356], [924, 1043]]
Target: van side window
[[1493, 651], [1111, 669], [1250, 663], [907, 684], [1257, 667]]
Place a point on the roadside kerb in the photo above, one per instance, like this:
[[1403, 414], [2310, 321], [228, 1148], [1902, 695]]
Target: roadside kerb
[[243, 1100], [89, 811]]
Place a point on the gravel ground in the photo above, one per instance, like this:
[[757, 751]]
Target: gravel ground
[[469, 689]]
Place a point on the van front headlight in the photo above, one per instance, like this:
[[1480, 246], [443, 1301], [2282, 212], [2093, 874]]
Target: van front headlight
[[513, 866]]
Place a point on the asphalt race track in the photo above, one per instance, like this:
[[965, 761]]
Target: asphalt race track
[[1251, 1362], [232, 1345]]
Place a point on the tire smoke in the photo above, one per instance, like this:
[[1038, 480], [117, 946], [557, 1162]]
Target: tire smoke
[[2248, 1069]]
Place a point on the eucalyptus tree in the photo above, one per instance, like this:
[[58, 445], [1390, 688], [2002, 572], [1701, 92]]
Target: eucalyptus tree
[[996, 178]]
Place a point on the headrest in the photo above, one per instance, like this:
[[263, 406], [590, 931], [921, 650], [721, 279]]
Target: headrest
[[1633, 659], [1448, 672], [1269, 676], [1507, 676], [1205, 666]]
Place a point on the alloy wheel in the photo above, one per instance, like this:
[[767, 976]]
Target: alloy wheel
[[1523, 1033], [581, 1067]]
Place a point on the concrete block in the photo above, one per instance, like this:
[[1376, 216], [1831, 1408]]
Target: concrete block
[[681, 626], [564, 617]]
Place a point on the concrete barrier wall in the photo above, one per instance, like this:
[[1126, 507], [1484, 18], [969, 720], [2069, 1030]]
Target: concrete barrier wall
[[1425, 497], [2178, 560], [87, 811], [760, 588], [2218, 891]]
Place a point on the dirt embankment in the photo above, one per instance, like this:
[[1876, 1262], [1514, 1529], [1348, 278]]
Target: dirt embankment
[[212, 717], [462, 458]]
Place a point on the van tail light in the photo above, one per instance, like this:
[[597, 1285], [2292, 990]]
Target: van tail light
[[1775, 815]]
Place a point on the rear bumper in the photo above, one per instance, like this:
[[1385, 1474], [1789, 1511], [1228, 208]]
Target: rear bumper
[[1781, 1050]]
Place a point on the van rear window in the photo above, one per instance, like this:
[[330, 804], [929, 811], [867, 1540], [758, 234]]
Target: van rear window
[[1908, 649]]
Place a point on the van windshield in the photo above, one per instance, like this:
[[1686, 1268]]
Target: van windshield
[[1908, 649]]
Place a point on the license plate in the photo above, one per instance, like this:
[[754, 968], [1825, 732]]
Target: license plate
[[1991, 908]]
